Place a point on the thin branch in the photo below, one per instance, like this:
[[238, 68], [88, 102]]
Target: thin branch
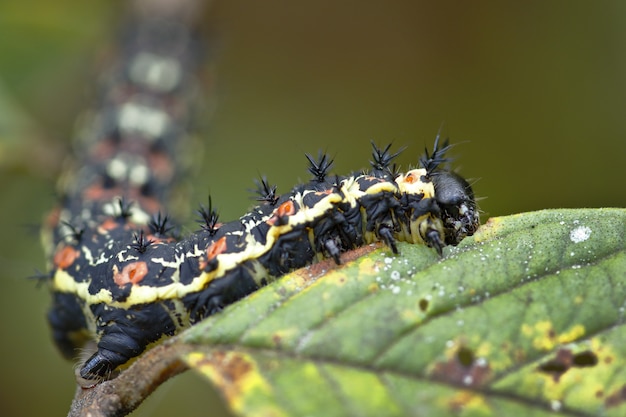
[[120, 396]]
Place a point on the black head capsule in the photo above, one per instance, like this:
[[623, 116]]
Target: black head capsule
[[455, 198]]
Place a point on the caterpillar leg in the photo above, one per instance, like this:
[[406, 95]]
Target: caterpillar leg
[[380, 211], [124, 334], [339, 232], [333, 250], [291, 250], [233, 286], [386, 235], [426, 223], [431, 231]]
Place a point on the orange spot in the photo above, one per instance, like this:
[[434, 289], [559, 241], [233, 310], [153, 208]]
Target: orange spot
[[103, 150], [285, 209], [93, 192], [216, 248], [131, 273], [53, 217], [161, 166], [98, 192], [325, 192], [108, 224], [410, 178], [148, 204], [66, 257]]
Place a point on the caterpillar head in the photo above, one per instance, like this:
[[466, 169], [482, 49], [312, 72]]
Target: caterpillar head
[[455, 198]]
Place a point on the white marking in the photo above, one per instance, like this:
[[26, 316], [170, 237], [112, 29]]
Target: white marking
[[112, 209], [117, 169], [134, 117], [248, 225], [129, 257], [139, 216], [580, 234], [178, 260], [139, 174], [87, 253], [103, 259], [156, 72]]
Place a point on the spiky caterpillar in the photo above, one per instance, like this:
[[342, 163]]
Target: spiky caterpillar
[[154, 287], [120, 277]]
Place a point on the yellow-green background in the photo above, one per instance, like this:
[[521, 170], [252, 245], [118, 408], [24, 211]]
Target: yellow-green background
[[533, 91]]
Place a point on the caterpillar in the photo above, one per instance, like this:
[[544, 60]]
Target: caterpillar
[[121, 276]]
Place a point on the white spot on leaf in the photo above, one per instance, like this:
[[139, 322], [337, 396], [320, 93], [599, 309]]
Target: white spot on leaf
[[580, 234]]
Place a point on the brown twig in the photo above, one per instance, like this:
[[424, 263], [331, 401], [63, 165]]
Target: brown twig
[[120, 396]]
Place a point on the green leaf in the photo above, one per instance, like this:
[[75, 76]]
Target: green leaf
[[525, 318]]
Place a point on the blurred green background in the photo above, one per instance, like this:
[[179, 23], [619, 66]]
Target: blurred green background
[[534, 93]]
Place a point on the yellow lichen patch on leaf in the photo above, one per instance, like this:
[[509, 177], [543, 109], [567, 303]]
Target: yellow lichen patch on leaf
[[236, 376], [411, 315], [544, 337], [373, 287], [298, 280], [366, 266], [470, 403], [499, 359], [284, 334], [488, 230], [484, 349], [576, 332]]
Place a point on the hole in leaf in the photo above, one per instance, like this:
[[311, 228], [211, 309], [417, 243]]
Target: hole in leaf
[[553, 367], [585, 359], [465, 356], [561, 363]]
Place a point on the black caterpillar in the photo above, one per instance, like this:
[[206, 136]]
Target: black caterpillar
[[120, 275]]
